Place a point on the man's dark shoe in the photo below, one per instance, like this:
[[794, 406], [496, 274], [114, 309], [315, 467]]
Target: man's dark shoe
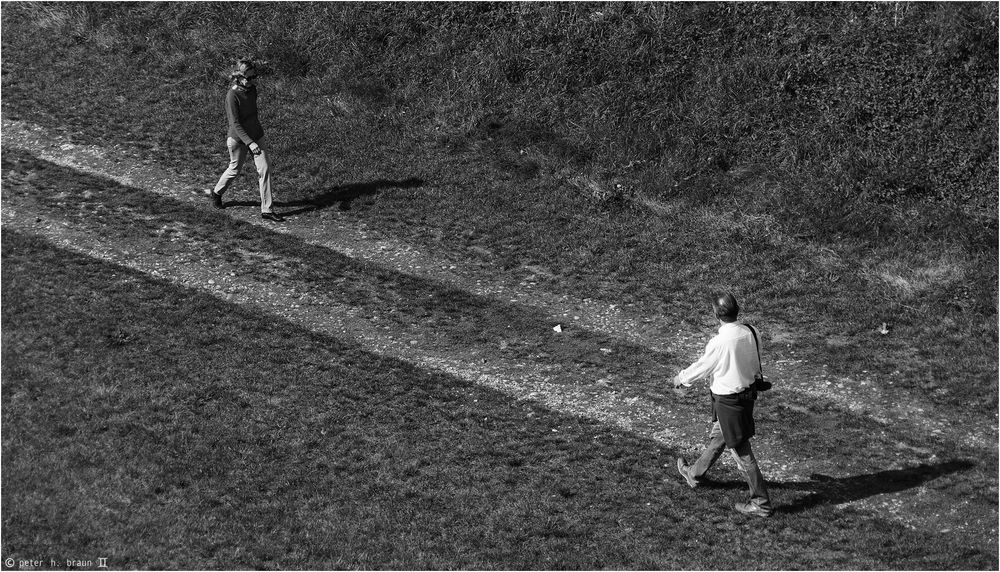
[[685, 472], [751, 509], [216, 200], [275, 217]]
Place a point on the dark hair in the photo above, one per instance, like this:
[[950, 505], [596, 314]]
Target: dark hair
[[243, 65], [726, 307]]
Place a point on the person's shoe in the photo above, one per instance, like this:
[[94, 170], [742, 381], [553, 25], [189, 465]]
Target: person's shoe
[[751, 509], [275, 217], [216, 200], [685, 472]]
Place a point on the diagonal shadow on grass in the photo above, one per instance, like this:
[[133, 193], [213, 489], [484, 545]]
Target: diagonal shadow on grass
[[407, 301], [446, 318], [343, 194], [469, 328], [829, 490], [836, 491]]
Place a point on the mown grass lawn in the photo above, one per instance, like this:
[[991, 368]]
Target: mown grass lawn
[[203, 435]]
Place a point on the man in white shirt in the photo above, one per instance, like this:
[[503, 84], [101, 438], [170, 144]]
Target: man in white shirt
[[731, 361]]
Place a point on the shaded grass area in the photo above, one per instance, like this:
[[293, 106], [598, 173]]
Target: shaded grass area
[[213, 437]]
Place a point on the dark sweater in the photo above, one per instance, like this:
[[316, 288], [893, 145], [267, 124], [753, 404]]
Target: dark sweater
[[241, 109]]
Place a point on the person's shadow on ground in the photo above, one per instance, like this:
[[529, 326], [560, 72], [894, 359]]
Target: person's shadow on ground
[[830, 490], [342, 194]]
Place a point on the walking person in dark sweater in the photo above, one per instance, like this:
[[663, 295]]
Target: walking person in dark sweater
[[245, 134]]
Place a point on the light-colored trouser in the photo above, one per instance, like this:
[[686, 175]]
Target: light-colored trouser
[[745, 460], [237, 156]]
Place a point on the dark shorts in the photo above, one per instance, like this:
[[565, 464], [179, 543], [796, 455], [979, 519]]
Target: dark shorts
[[735, 416]]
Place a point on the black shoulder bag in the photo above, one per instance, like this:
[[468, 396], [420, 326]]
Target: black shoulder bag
[[758, 379]]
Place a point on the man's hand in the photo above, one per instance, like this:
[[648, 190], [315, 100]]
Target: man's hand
[[255, 148], [679, 390]]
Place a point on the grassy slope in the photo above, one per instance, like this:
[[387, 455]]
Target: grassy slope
[[383, 91], [209, 437], [531, 171]]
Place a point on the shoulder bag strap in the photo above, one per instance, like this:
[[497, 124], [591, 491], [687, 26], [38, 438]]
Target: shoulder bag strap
[[756, 342]]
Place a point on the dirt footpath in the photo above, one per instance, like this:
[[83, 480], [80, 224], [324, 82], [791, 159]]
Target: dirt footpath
[[633, 400]]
